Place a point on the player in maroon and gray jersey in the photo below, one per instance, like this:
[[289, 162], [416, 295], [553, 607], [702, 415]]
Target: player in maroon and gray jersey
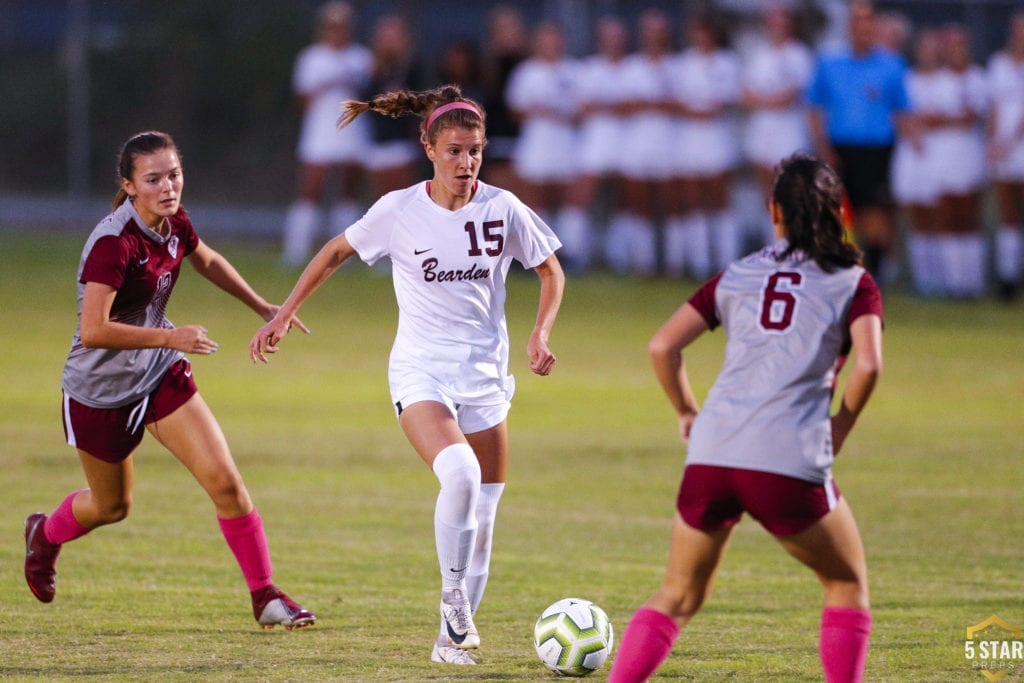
[[127, 368], [764, 441]]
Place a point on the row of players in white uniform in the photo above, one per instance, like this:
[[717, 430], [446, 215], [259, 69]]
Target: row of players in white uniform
[[664, 118], [947, 156]]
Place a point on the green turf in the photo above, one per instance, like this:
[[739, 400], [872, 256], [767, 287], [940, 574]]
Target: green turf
[[934, 474]]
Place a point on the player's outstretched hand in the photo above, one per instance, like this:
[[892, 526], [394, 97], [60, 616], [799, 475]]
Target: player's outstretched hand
[[192, 339], [266, 339], [295, 322]]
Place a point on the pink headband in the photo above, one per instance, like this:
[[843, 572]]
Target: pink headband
[[449, 107]]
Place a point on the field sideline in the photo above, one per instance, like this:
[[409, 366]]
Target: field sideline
[[934, 474]]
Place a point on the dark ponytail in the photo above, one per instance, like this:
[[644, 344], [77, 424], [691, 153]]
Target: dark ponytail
[[139, 144], [810, 195], [419, 103]]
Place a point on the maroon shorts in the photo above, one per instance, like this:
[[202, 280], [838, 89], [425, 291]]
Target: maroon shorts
[[712, 498], [111, 434]]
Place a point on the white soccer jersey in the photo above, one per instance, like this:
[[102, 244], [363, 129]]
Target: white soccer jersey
[[787, 324], [648, 85], [1006, 89], [327, 77], [772, 134], [706, 83], [449, 270], [543, 93], [960, 150], [599, 85], [916, 164]]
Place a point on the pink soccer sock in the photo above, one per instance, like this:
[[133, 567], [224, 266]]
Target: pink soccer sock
[[61, 526], [247, 540], [645, 644], [844, 643]]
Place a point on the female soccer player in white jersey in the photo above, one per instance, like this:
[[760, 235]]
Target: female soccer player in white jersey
[[776, 73], [631, 243], [917, 165], [1006, 148], [332, 69], [705, 235], [540, 92], [599, 86], [763, 443], [961, 150], [451, 241], [127, 370]]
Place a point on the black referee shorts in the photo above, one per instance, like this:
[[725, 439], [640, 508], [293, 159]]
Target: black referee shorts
[[864, 170]]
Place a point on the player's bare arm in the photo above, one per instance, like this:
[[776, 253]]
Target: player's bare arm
[[213, 266], [99, 331], [552, 284], [866, 334], [327, 260], [666, 351]]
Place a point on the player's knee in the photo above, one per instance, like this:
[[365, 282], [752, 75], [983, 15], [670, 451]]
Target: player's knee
[[111, 512], [227, 490], [457, 469], [681, 601], [850, 592]]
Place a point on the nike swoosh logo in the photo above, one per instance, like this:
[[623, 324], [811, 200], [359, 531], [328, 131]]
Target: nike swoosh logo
[[453, 636], [422, 251], [143, 261], [188, 373], [32, 535], [458, 571]]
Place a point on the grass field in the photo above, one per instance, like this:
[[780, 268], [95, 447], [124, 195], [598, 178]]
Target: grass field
[[934, 473]]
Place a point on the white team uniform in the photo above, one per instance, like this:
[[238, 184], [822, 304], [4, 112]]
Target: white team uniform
[[649, 133], [787, 324], [1006, 90], [600, 82], [960, 151], [449, 270], [705, 82], [916, 169], [546, 148], [328, 77], [771, 135]]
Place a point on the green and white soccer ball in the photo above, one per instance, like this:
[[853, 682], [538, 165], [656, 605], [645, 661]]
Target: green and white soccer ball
[[573, 637]]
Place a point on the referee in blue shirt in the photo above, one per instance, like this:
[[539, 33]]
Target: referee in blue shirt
[[857, 101]]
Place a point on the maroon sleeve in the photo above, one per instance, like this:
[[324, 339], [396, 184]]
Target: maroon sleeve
[[107, 262], [867, 299], [189, 238], [704, 301]]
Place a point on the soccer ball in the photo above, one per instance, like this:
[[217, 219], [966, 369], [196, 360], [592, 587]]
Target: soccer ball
[[573, 637]]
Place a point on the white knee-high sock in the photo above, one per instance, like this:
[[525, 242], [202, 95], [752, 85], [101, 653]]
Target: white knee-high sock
[[616, 242], [967, 272], [934, 270], [674, 247], [480, 565], [300, 227], [1009, 245], [343, 214], [698, 249], [916, 255], [643, 247], [572, 225], [727, 237], [455, 524]]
